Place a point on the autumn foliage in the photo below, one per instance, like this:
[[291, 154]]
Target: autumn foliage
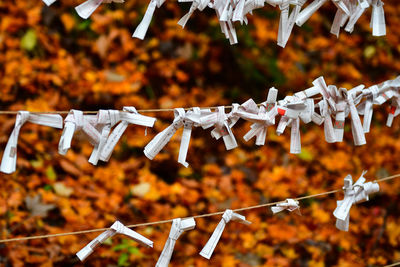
[[50, 59]]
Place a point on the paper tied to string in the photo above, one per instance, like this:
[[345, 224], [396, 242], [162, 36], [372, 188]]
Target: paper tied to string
[[353, 193], [292, 109], [307, 12], [228, 216], [128, 115], [265, 117], [366, 107], [105, 121], [74, 122], [289, 204], [222, 126], [9, 160], [378, 23], [116, 228], [86, 9], [187, 120], [177, 228], [191, 119], [286, 21], [196, 4], [141, 29], [352, 98], [327, 106]]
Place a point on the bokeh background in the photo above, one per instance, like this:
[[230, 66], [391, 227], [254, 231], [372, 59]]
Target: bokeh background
[[50, 59]]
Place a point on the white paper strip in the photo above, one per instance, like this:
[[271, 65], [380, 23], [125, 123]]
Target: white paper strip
[[9, 160], [116, 228], [162, 138], [105, 120], [378, 23], [307, 12], [49, 2], [289, 204], [141, 29], [287, 21], [353, 194], [356, 126], [222, 129], [76, 121], [177, 228], [86, 9], [228, 216], [129, 115]]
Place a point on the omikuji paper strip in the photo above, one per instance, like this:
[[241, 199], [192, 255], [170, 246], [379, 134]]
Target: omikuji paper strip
[[9, 160], [116, 228]]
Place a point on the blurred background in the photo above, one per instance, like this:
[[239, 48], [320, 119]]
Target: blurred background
[[50, 59]]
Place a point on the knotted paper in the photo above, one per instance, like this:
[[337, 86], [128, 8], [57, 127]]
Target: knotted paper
[[116, 228]]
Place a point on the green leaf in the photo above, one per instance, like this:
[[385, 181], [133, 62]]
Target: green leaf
[[51, 174], [306, 155], [29, 40], [120, 247], [47, 187], [84, 25], [134, 250], [108, 242], [37, 163], [123, 259]]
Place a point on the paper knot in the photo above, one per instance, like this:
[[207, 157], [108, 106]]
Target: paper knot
[[9, 160], [76, 117], [353, 193], [177, 228], [228, 216], [289, 204], [116, 228]]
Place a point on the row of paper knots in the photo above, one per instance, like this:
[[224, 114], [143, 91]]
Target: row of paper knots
[[228, 12], [338, 103], [354, 193]]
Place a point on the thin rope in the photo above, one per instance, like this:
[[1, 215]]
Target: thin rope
[[9, 112], [393, 264], [196, 216]]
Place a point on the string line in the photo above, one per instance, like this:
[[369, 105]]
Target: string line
[[196, 216], [10, 112], [393, 264]]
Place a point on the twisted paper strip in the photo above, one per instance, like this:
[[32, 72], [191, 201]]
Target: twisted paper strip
[[9, 160], [228, 216], [222, 126], [116, 228], [290, 205], [353, 194], [265, 117], [177, 228], [86, 9], [76, 121], [128, 115]]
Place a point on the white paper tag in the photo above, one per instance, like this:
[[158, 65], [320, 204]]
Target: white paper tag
[[353, 194], [116, 228], [228, 215], [177, 228], [9, 160]]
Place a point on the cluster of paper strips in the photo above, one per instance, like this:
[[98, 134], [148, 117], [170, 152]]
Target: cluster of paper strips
[[335, 104], [228, 12], [353, 193]]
